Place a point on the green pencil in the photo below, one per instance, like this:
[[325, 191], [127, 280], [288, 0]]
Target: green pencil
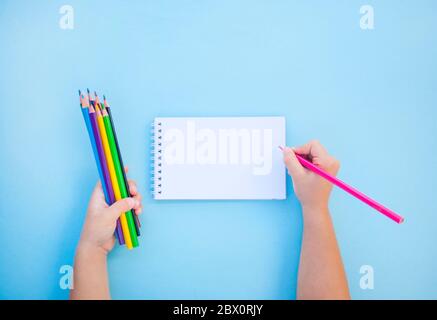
[[119, 174]]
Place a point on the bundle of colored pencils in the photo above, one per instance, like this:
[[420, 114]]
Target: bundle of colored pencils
[[101, 131]]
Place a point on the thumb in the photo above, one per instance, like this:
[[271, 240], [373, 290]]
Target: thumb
[[97, 199], [293, 165], [123, 205]]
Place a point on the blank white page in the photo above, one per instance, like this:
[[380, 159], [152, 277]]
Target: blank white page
[[218, 158]]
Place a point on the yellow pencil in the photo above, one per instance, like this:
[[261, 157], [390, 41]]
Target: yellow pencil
[[111, 168]]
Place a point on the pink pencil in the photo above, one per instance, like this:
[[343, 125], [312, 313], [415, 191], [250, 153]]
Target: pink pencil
[[351, 190]]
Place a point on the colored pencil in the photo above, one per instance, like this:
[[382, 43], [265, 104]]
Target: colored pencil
[[349, 189], [132, 218], [126, 182], [101, 131], [85, 112], [86, 118], [101, 165], [102, 162], [118, 171], [102, 158], [128, 237]]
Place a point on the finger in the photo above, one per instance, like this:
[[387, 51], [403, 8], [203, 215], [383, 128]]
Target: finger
[[97, 196], [332, 165], [126, 169], [137, 202], [97, 188], [138, 211], [133, 188], [293, 165], [313, 149], [316, 153], [119, 207], [138, 198]]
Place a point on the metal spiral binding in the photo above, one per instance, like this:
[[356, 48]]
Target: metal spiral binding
[[156, 157]]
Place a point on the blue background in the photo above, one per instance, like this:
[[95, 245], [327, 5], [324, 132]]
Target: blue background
[[369, 96]]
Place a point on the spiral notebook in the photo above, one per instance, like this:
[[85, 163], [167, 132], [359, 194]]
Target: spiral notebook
[[218, 158]]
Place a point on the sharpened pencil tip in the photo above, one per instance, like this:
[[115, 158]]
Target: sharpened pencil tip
[[96, 98], [105, 103], [85, 101], [79, 92], [88, 90]]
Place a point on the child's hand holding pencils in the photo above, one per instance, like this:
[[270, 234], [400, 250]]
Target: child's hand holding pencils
[[97, 239], [101, 219]]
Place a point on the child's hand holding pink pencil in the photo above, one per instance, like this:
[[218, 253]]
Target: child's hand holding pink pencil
[[311, 190], [309, 186]]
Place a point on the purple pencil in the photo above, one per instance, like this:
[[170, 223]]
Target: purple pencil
[[104, 166]]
